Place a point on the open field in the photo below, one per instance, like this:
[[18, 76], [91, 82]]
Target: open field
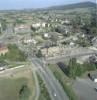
[[11, 84]]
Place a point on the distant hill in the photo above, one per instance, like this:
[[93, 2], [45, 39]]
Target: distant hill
[[60, 7], [73, 6]]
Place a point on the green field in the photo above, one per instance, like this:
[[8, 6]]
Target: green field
[[9, 88], [20, 86]]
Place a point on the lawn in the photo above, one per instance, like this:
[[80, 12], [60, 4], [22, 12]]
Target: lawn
[[12, 86]]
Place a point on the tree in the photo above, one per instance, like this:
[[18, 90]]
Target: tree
[[0, 30], [3, 24], [75, 69], [33, 29], [72, 68], [90, 26], [89, 66], [54, 39], [24, 92], [39, 54]]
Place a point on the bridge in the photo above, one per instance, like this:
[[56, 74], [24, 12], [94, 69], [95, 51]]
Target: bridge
[[60, 58]]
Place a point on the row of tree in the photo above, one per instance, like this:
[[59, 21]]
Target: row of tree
[[75, 69]]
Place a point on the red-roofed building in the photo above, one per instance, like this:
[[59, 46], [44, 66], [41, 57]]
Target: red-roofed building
[[3, 49]]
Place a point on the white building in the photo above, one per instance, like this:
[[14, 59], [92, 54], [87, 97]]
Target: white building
[[39, 24], [22, 28]]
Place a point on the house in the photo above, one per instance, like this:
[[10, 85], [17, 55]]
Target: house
[[39, 25], [43, 24], [28, 39], [36, 25], [22, 28], [3, 49], [67, 21], [72, 44]]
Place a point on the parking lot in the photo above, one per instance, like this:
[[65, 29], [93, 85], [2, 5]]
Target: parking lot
[[85, 89]]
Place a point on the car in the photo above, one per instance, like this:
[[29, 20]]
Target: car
[[2, 68], [95, 89], [55, 94]]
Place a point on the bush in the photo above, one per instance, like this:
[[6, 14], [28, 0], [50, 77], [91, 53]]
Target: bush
[[24, 92]]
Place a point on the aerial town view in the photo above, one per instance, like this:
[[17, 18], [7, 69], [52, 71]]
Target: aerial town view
[[48, 50]]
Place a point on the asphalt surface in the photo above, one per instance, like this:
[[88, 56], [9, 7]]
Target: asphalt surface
[[85, 89], [62, 57]]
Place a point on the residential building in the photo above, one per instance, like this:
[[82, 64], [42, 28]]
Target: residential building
[[3, 49]]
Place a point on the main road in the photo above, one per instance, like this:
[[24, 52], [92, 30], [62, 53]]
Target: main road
[[61, 58], [54, 88]]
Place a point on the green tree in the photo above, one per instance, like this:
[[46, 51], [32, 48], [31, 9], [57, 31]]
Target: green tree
[[24, 92], [39, 54], [72, 68]]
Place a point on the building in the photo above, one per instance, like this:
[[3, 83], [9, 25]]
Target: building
[[22, 28], [3, 49], [39, 25], [52, 51], [28, 39]]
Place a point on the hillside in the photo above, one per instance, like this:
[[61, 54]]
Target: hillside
[[73, 6]]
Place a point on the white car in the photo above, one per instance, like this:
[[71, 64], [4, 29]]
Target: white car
[[2, 68], [55, 94]]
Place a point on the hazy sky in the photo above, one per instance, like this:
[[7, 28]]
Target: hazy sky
[[20, 4]]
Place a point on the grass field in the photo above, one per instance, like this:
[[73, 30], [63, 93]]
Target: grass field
[[10, 86]]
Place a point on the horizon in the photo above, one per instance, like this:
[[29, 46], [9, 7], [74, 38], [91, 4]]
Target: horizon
[[21, 4]]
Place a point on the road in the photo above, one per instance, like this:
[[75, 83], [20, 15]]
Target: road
[[51, 82], [63, 57]]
